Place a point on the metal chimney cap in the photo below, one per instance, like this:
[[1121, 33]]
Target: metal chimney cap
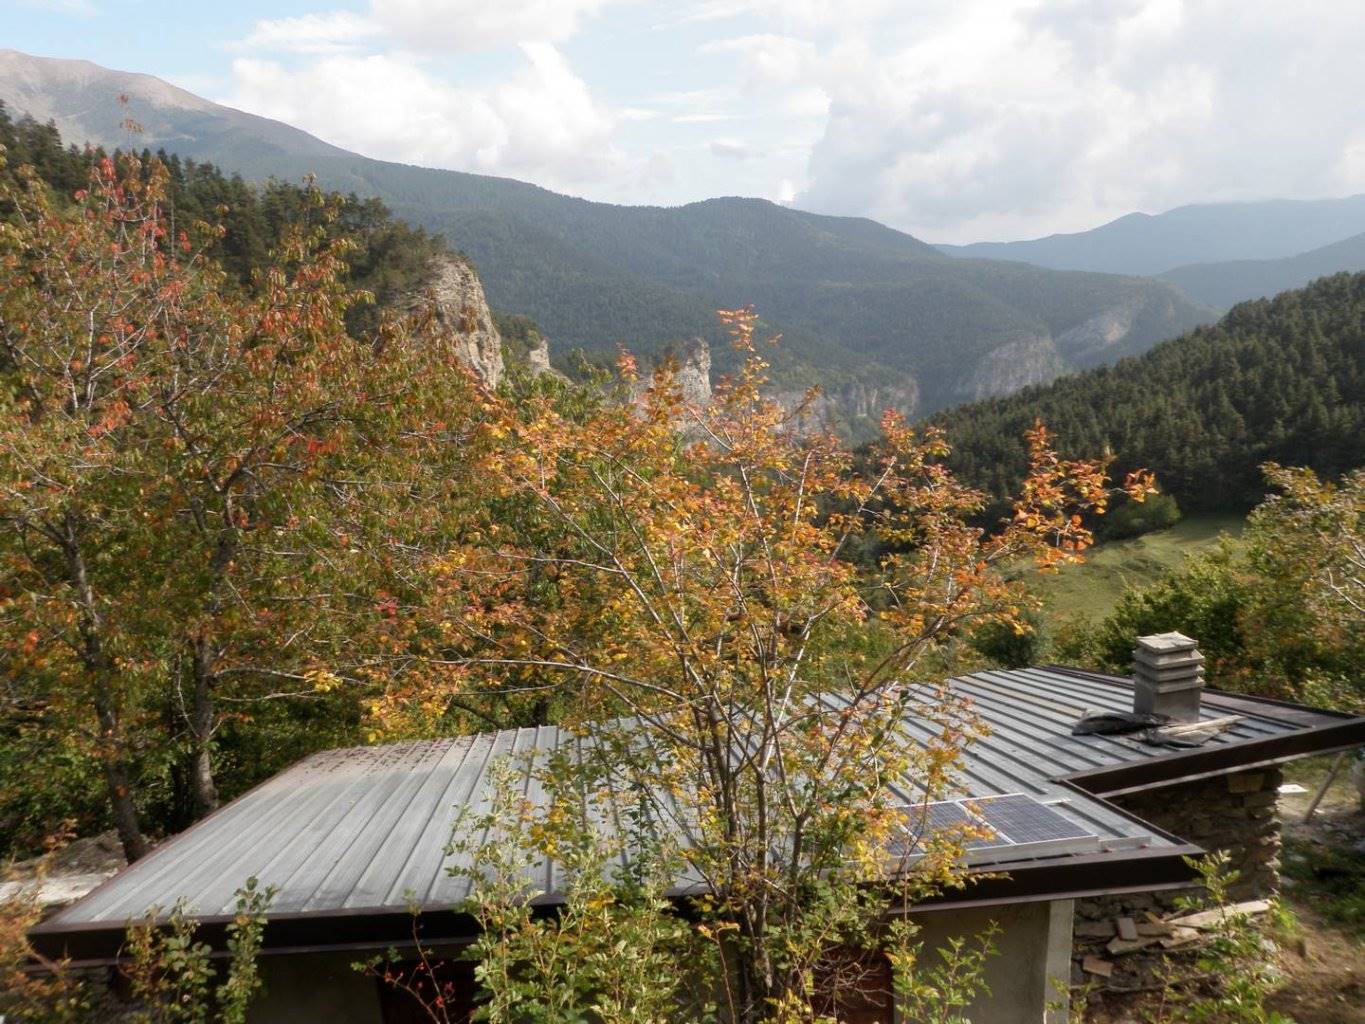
[[1168, 675], [1166, 643]]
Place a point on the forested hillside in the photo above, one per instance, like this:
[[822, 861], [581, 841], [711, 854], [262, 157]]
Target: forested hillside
[[1223, 285], [389, 258], [876, 316], [1281, 379], [235, 272]]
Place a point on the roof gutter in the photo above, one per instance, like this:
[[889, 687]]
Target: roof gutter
[[1056, 878], [1145, 870], [1193, 765], [359, 929]]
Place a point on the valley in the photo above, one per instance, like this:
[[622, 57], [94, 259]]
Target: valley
[[859, 305]]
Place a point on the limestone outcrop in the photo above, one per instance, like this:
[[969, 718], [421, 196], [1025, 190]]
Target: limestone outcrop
[[1027, 359], [694, 372], [456, 300], [538, 356]]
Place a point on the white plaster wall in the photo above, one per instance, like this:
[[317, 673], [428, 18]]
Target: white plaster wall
[[1032, 967]]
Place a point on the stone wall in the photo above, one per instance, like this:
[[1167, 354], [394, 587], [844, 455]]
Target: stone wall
[[1233, 812], [1236, 813]]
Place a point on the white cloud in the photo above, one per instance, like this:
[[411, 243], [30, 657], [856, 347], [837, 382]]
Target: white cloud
[[364, 82], [768, 59], [705, 117], [824, 15], [955, 119], [541, 123], [331, 32], [697, 106], [733, 149], [433, 25], [997, 119]]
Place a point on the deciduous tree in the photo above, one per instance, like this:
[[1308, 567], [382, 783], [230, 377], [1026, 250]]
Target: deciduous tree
[[680, 571], [207, 493]]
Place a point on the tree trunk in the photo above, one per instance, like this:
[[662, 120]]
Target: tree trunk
[[118, 781], [118, 785], [202, 714], [203, 789], [202, 786], [756, 986], [100, 673]]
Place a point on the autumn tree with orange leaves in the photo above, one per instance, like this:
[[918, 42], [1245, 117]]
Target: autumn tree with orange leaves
[[677, 577], [210, 497]]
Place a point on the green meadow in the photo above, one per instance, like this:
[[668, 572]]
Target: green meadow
[[1093, 588]]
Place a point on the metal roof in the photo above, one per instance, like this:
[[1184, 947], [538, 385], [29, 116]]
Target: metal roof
[[1031, 712], [364, 830]]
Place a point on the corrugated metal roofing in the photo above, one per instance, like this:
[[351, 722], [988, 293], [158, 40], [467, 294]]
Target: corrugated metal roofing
[[366, 828], [1031, 712]]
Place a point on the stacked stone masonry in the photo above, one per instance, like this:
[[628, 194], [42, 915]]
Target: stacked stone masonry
[[1236, 813], [1233, 812]]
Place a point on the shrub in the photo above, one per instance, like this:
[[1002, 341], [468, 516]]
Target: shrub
[[1134, 518]]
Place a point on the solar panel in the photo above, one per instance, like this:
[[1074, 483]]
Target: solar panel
[[1015, 826], [1025, 820], [940, 817]]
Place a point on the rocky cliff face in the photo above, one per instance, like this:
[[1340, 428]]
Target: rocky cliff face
[[869, 401], [455, 297], [1128, 327], [693, 376], [694, 372], [538, 356], [1031, 359], [847, 408], [854, 408], [1092, 338]]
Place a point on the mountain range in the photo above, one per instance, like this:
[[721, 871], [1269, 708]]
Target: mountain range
[[1219, 254], [876, 316], [1223, 285], [1141, 243]]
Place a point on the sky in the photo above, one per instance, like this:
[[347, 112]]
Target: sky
[[955, 120]]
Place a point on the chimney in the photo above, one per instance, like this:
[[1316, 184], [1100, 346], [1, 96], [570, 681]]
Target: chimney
[[1168, 675]]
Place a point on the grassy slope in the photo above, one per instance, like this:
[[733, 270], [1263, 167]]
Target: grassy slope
[[1093, 589]]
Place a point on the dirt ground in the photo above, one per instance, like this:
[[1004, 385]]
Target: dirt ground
[[1324, 885], [1324, 973], [1320, 952], [99, 854]]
